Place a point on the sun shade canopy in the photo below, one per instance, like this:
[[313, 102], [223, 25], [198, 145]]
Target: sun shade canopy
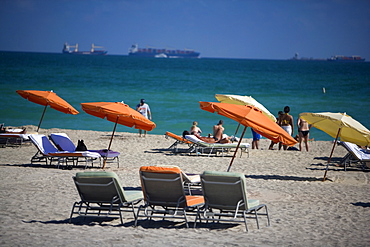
[[120, 113], [48, 98], [251, 116], [350, 129], [244, 100]]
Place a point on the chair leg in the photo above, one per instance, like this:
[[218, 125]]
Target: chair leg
[[245, 220], [137, 215], [268, 217], [186, 219], [120, 213], [256, 214]]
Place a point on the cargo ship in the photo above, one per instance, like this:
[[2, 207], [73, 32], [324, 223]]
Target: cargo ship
[[135, 51], [95, 50], [339, 58]]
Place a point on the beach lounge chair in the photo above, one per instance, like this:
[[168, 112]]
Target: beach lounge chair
[[164, 195], [202, 146], [178, 140], [13, 139], [355, 155], [226, 199], [64, 143], [46, 151], [191, 181], [102, 195], [12, 136]]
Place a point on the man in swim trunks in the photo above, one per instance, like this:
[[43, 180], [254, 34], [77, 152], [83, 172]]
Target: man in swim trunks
[[218, 133], [286, 122], [303, 133], [256, 139]]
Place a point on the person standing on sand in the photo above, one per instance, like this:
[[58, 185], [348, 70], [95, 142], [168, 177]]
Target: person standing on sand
[[271, 147], [144, 109], [303, 133], [256, 139], [286, 122]]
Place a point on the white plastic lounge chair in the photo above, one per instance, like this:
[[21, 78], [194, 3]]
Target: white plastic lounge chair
[[355, 155], [10, 139], [64, 143], [202, 146], [226, 199], [164, 195], [102, 195], [12, 136], [48, 152], [178, 140]]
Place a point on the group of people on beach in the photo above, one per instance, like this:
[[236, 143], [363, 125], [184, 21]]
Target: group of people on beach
[[218, 133], [285, 120]]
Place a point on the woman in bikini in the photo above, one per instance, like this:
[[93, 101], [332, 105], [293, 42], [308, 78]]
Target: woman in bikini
[[195, 129], [303, 133]]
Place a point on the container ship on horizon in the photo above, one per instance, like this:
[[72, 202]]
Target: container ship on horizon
[[93, 50], [135, 51], [336, 58], [339, 58]]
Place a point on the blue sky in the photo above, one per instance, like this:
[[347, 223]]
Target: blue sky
[[256, 29]]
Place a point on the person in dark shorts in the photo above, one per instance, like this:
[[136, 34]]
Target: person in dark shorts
[[256, 139], [303, 133]]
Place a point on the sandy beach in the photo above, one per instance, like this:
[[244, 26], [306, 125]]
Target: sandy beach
[[36, 200]]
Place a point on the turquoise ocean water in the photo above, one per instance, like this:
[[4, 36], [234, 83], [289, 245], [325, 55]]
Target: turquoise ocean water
[[174, 87]]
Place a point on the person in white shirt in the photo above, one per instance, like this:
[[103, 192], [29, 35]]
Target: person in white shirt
[[144, 109]]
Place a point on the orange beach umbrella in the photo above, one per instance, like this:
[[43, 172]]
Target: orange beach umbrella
[[250, 116], [47, 98], [118, 113]]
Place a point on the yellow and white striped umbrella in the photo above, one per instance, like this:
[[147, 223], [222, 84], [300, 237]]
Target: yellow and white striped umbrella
[[331, 123], [244, 100]]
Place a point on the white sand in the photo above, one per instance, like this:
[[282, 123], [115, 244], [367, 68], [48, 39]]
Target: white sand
[[36, 200]]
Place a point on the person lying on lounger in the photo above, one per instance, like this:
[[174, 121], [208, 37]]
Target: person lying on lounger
[[203, 138]]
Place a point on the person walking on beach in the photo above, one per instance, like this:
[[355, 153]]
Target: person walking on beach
[[144, 109], [286, 122], [303, 133]]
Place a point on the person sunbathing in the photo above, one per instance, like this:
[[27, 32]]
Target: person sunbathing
[[202, 138], [218, 133]]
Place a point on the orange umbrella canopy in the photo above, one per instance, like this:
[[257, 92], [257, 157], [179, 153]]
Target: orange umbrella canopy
[[251, 116], [118, 112], [48, 98]]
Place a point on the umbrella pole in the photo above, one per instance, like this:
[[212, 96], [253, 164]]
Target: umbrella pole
[[237, 147], [110, 143], [237, 129], [43, 113], [331, 154]]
